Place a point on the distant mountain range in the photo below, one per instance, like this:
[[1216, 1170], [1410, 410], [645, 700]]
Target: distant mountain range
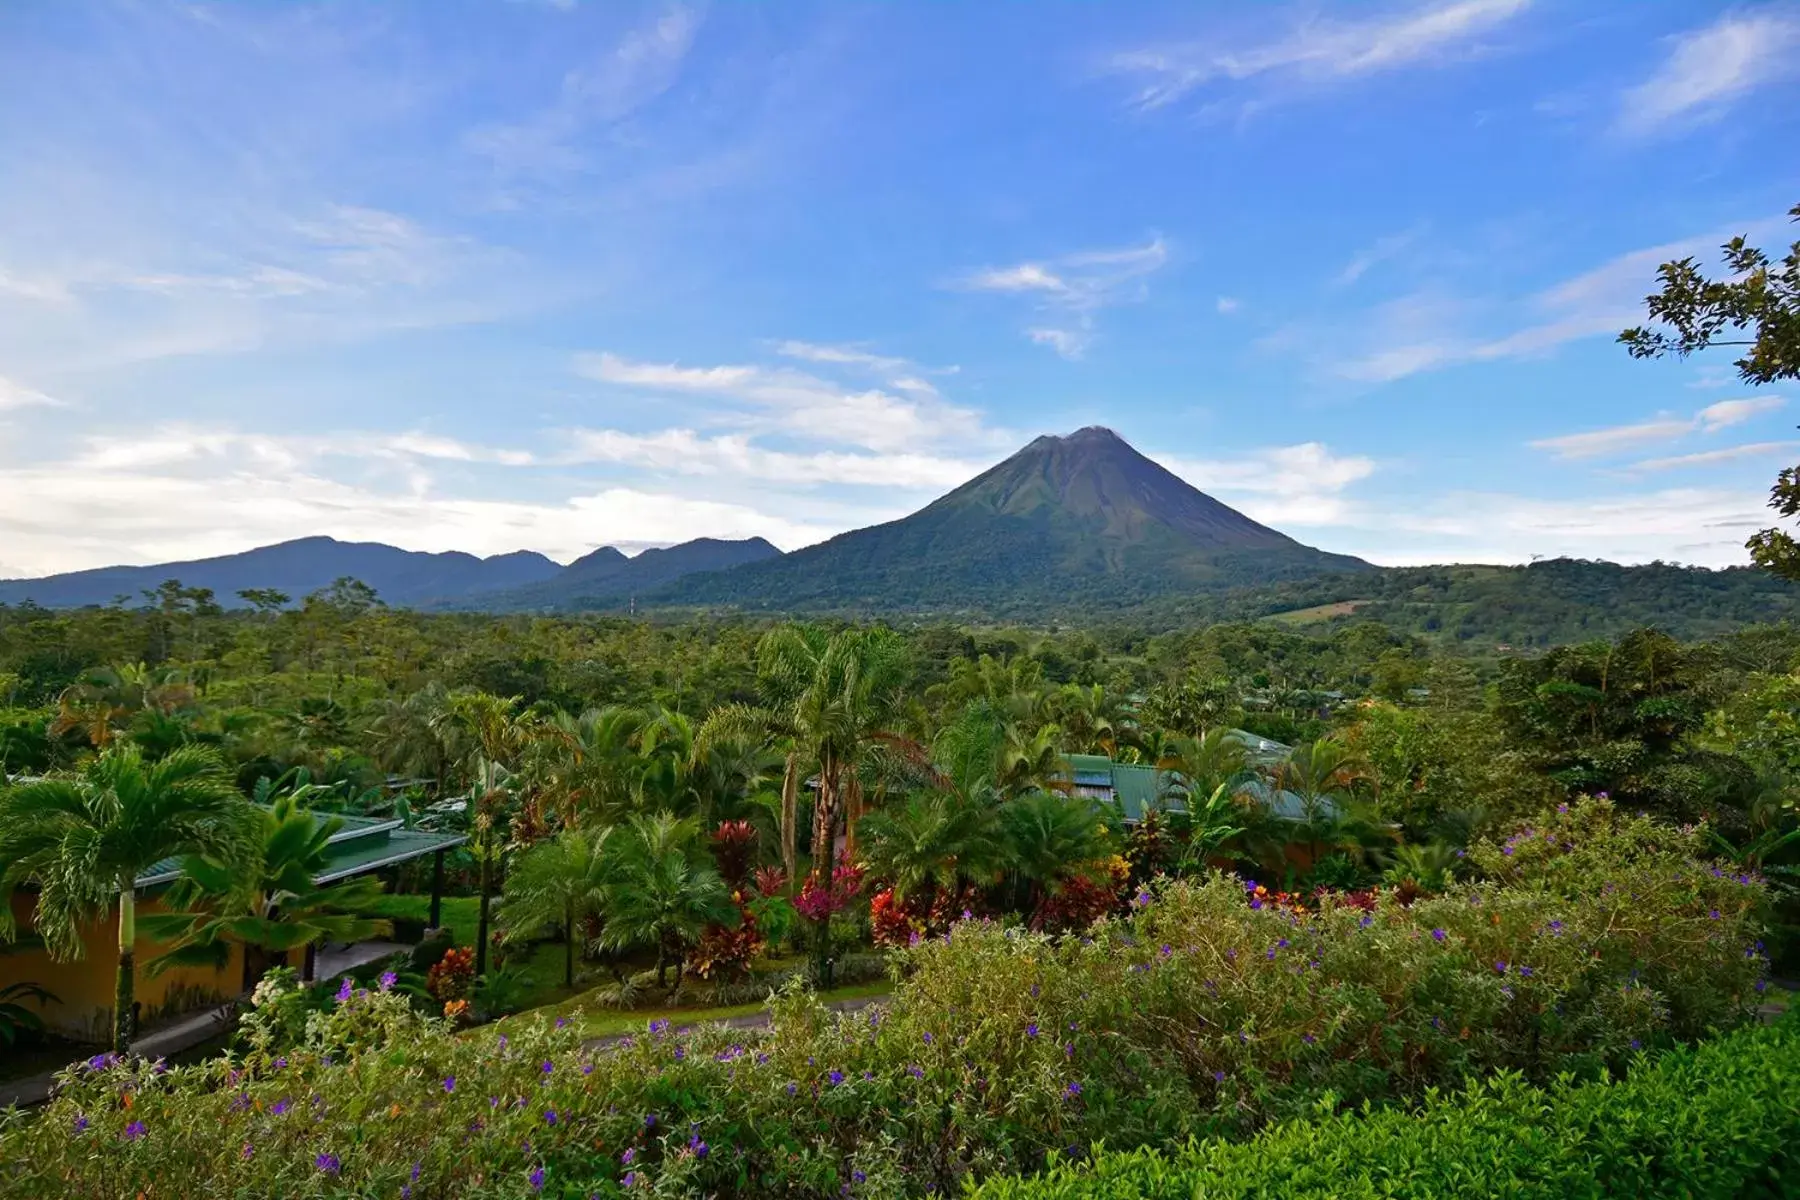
[[1076, 525]]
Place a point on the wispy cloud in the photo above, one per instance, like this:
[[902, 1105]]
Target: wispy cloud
[[1598, 443], [1071, 289], [686, 452], [1727, 413], [1707, 457], [17, 395], [1380, 251], [907, 414], [1316, 50], [1712, 68], [1225, 306], [1598, 302], [637, 69], [1303, 484]]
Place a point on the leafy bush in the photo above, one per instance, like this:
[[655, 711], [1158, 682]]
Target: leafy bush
[[1195, 1015], [1712, 1123]]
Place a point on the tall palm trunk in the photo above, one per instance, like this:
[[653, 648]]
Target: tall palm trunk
[[825, 818], [125, 987], [853, 812], [790, 816], [486, 889]]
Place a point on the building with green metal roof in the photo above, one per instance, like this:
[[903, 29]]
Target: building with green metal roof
[[1138, 787]]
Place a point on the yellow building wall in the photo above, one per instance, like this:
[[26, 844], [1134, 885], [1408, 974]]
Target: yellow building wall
[[84, 986]]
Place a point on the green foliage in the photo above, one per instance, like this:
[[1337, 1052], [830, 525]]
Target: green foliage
[[1197, 1015], [1716, 1122], [1760, 298]]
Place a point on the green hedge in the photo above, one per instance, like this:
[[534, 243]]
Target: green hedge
[[1718, 1120]]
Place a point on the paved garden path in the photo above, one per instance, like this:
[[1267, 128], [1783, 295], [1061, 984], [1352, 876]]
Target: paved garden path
[[749, 1020]]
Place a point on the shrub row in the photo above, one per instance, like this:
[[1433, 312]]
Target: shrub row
[[1197, 1015], [1720, 1121]]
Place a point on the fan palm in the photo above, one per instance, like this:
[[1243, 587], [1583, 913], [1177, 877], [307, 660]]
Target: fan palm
[[1319, 774], [934, 842], [85, 840], [267, 901], [558, 883], [1193, 768], [664, 894], [1049, 837]]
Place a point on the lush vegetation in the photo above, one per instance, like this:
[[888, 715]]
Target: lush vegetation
[[1713, 1123], [1208, 1008]]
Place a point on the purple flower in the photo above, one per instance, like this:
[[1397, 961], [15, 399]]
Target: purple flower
[[344, 990], [792, 1088], [248, 1152], [587, 1069], [630, 1178], [630, 1155], [81, 1123], [548, 1066], [1636, 1044], [449, 1083], [1714, 914], [388, 980], [1073, 1090], [1031, 1030], [1556, 927], [328, 1163], [561, 1022], [277, 1108], [281, 1063], [537, 1179], [134, 1131], [1218, 1077], [698, 1148], [859, 1176], [550, 1116], [1143, 899], [928, 1038], [915, 1072], [658, 1027], [1308, 1038], [836, 1077], [649, 1120], [100, 1062], [1525, 972], [1500, 966], [1438, 935], [1166, 950]]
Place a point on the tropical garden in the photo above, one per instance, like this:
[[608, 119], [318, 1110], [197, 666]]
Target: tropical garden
[[1248, 909]]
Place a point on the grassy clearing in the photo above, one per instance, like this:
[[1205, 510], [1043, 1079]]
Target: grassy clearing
[[1318, 612]]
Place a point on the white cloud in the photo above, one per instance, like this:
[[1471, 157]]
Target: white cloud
[[1075, 286], [1596, 443], [1281, 486], [1365, 260], [1070, 343], [685, 452], [1317, 50], [1711, 68], [1727, 413], [1598, 302], [853, 356], [176, 492], [1226, 305], [641, 66], [803, 405], [17, 395], [1708, 457]]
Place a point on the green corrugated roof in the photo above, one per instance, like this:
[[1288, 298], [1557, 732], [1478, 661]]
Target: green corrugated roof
[[1136, 786], [362, 844]]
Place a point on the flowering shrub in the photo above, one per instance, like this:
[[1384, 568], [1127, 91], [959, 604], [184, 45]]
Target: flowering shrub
[[733, 846], [1192, 1015], [726, 953], [1085, 897], [453, 976], [769, 881], [820, 900], [890, 924]]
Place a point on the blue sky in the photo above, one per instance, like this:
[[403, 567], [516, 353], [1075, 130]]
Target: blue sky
[[489, 275]]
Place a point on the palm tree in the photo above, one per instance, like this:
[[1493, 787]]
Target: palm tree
[[831, 697], [589, 765], [407, 738], [1049, 837], [665, 892], [1089, 718], [1193, 768], [558, 883], [87, 838], [267, 901], [1319, 774], [934, 842], [104, 701]]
